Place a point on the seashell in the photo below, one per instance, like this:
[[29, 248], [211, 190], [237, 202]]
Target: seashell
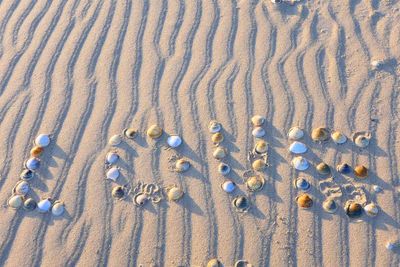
[[219, 153], [377, 64], [29, 204], [27, 175], [261, 147], [258, 165], [115, 140], [217, 138], [58, 208], [182, 165], [42, 140], [255, 183], [44, 205], [32, 164], [118, 192], [154, 131], [257, 120], [228, 186], [15, 201], [329, 205], [295, 133], [353, 209], [361, 139], [371, 209], [323, 168], [112, 157], [360, 171], [140, 199], [377, 188], [320, 134], [242, 263], [392, 244], [174, 141], [241, 203], [302, 184], [338, 137], [21, 188], [258, 132], [224, 168], [130, 133], [297, 147], [300, 163], [174, 193], [214, 263], [214, 126], [304, 201], [113, 173], [343, 168], [36, 151]]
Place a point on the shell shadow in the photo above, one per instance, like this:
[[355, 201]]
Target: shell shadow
[[273, 135], [141, 141], [185, 150], [56, 152], [189, 204]]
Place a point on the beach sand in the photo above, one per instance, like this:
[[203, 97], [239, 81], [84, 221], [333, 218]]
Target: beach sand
[[84, 70]]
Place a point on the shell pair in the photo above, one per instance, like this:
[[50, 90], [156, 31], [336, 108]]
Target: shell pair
[[257, 122], [17, 201], [321, 134]]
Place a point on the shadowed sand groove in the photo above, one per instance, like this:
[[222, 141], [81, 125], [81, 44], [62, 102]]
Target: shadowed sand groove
[[4, 22]]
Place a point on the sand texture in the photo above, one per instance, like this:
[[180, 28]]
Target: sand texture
[[84, 70]]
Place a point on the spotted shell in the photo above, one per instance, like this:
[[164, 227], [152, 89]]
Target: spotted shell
[[298, 147], [15, 201], [258, 132], [174, 141], [224, 168], [182, 165], [32, 164], [371, 209], [343, 168], [27, 175], [214, 126], [257, 120], [217, 138], [304, 201], [130, 133], [323, 168], [44, 205], [219, 153], [261, 147], [112, 157], [42, 140], [255, 183], [361, 139], [115, 140], [353, 209], [113, 174], [214, 263], [320, 134], [29, 204], [295, 133], [58, 208], [21, 188], [360, 171], [258, 165], [228, 186], [338, 137], [36, 151], [154, 131], [174, 193], [300, 163], [329, 205], [140, 199], [302, 184], [241, 203], [118, 192]]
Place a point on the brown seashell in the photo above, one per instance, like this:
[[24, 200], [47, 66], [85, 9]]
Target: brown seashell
[[36, 151], [320, 134], [154, 131], [217, 138], [258, 165], [361, 171], [304, 201], [323, 168], [261, 147], [353, 209]]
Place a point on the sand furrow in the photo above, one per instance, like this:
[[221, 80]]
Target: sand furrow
[[4, 22]]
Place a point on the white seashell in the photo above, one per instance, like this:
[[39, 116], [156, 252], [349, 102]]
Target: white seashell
[[140, 199], [377, 188], [42, 140], [15, 201], [371, 209], [113, 174], [361, 139], [174, 141], [302, 184], [21, 188], [329, 205], [58, 208], [112, 157], [44, 205], [224, 168], [228, 186], [32, 164], [297, 147], [338, 137], [376, 64], [219, 153], [295, 133], [214, 126], [115, 140], [300, 163], [258, 120], [258, 132]]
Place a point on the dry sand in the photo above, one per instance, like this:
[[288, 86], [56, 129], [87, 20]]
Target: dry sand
[[84, 70]]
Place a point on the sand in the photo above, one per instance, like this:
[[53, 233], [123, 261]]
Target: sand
[[84, 70]]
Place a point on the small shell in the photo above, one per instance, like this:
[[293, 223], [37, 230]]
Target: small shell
[[58, 208], [261, 147], [21, 188], [295, 133], [338, 137], [361, 139], [118, 192], [140, 199], [258, 132], [44, 205], [360, 171], [219, 153], [29, 204], [174, 193], [353, 209], [304, 201], [343, 168], [302, 184], [329, 205], [323, 168], [115, 140], [300, 163], [130, 133], [241, 203], [258, 165], [255, 183], [371, 209], [217, 138], [32, 164], [224, 168], [182, 165], [297, 147], [242, 263], [112, 157], [113, 174], [214, 263], [42, 140], [36, 151], [392, 244], [27, 175], [228, 186], [174, 141], [214, 126], [15, 201], [154, 131], [377, 188], [258, 120], [320, 134]]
